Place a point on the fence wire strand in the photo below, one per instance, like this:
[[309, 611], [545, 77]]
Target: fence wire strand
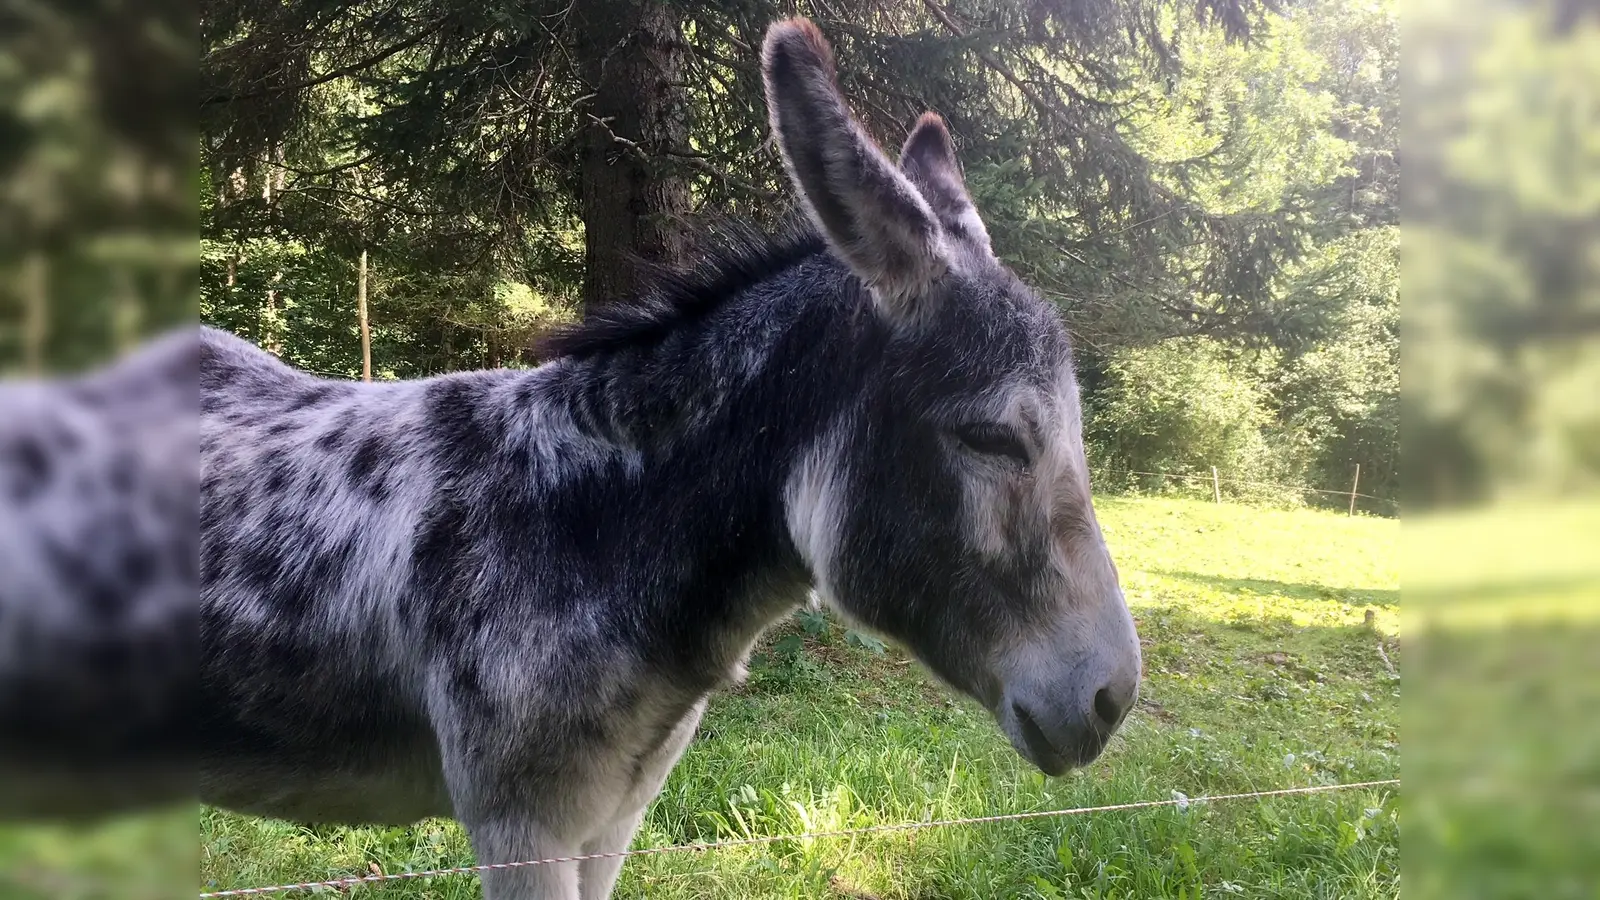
[[1178, 800], [1274, 484]]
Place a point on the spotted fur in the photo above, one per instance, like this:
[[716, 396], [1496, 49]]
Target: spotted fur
[[98, 579]]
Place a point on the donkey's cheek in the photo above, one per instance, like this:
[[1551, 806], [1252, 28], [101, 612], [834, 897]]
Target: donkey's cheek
[[1023, 520], [995, 520]]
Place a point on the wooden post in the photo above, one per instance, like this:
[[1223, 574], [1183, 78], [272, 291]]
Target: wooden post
[[361, 313], [1216, 486], [1353, 485], [34, 286], [125, 312]]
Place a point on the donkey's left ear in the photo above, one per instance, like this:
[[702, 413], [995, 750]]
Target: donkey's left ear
[[929, 159]]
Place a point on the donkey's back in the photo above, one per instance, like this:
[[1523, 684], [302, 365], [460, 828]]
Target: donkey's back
[[386, 563], [311, 692]]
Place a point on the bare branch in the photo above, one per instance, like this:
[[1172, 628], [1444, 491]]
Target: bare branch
[[333, 74], [694, 162]]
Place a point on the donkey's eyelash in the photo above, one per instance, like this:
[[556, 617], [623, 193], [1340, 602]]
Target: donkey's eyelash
[[992, 440]]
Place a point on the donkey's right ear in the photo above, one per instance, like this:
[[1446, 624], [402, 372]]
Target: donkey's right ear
[[869, 211], [929, 159]]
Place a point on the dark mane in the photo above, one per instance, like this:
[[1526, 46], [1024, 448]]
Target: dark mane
[[738, 257]]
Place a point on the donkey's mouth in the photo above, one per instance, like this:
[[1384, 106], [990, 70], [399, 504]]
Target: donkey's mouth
[[1036, 747], [1051, 757]]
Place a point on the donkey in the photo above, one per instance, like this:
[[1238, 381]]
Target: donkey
[[505, 596], [99, 574]]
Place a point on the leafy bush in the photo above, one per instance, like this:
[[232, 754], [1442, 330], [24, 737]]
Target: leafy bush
[[1164, 415], [1294, 423], [1340, 402]]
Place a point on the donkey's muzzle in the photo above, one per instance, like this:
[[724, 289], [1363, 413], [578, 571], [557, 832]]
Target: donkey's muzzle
[[1066, 729]]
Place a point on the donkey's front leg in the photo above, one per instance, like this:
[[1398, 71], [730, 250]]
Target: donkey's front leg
[[502, 815], [596, 877], [503, 839], [599, 876]]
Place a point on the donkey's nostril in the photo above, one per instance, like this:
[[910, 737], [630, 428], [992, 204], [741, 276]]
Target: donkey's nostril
[[1107, 707]]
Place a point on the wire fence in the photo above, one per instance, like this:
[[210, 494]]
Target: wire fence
[[1178, 799], [1215, 480]]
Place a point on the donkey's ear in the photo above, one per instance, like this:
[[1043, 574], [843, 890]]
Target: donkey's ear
[[929, 159], [868, 210]]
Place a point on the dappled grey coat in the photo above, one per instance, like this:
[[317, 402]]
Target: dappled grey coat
[[505, 596], [99, 559]]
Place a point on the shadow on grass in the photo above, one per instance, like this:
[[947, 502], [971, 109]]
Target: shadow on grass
[[1513, 588], [1293, 590]]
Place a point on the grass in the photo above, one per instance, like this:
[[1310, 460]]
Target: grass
[[1504, 770], [1262, 671]]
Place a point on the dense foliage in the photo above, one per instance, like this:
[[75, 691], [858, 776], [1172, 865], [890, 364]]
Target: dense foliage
[[1207, 190], [1502, 316], [97, 214]]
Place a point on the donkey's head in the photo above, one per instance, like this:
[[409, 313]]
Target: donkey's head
[[949, 505]]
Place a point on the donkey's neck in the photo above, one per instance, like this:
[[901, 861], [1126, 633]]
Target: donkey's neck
[[707, 428]]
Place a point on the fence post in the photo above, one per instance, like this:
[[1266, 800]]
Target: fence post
[[1216, 486], [1353, 485]]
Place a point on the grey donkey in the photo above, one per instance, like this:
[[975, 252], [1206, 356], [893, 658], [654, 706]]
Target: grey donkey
[[505, 596], [99, 579]]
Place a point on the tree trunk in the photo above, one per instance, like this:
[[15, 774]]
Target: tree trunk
[[271, 337], [361, 316], [634, 202]]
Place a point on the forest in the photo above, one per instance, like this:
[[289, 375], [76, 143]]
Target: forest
[[1208, 192], [1208, 189]]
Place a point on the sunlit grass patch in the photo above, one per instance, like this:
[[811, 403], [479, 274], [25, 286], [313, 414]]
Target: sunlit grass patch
[[1504, 767], [137, 857]]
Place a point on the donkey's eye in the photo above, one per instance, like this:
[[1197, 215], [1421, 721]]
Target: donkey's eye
[[992, 440]]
